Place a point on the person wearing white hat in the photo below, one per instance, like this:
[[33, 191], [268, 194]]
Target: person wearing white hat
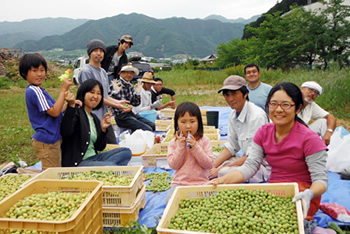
[[123, 89], [325, 122]]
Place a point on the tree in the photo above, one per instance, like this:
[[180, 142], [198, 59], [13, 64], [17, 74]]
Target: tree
[[335, 43]]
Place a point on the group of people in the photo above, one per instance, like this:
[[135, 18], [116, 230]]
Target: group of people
[[267, 128], [76, 133], [268, 136]]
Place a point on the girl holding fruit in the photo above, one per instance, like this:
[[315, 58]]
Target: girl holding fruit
[[190, 153], [294, 152], [83, 134]]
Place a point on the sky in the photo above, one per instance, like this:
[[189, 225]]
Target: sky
[[18, 10]]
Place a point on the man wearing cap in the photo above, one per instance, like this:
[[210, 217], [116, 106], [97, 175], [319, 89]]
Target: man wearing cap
[[124, 90], [325, 122], [245, 119], [96, 49], [258, 91], [116, 57], [146, 96]]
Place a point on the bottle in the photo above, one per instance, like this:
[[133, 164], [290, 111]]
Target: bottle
[[188, 137]]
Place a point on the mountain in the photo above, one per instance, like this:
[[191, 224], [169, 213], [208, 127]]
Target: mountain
[[153, 37], [239, 20], [12, 33]]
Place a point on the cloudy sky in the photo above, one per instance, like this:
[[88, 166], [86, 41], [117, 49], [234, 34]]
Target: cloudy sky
[[18, 10]]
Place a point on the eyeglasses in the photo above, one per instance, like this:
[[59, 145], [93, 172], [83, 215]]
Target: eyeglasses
[[284, 105], [314, 91]]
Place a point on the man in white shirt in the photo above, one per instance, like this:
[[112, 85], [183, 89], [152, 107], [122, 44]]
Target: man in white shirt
[[146, 95], [325, 122], [245, 119]]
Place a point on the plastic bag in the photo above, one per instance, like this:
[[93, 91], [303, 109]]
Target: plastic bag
[[139, 141], [339, 151], [336, 211]]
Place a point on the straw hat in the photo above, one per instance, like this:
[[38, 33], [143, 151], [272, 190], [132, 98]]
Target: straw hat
[[148, 78]]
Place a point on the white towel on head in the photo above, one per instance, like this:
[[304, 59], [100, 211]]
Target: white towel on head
[[313, 85]]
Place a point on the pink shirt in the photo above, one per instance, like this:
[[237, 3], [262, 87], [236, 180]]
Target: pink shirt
[[191, 165], [287, 158]]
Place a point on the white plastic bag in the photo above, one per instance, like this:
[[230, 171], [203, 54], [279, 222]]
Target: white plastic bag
[[339, 151], [139, 141]]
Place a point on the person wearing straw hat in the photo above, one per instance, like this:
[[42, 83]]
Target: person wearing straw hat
[[116, 57], [124, 90], [325, 122], [146, 95]]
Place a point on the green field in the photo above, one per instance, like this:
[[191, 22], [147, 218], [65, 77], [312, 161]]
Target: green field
[[198, 86]]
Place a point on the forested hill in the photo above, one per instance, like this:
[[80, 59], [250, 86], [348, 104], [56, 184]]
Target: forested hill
[[152, 37], [283, 6]]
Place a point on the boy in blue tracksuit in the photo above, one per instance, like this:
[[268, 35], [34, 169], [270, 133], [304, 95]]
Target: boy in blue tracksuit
[[44, 113]]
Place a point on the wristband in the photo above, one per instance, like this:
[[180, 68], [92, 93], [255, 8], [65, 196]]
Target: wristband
[[330, 130]]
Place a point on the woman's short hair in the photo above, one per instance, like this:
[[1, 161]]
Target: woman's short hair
[[193, 110], [87, 86], [27, 61]]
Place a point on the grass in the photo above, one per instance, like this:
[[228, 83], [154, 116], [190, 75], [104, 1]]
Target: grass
[[198, 86]]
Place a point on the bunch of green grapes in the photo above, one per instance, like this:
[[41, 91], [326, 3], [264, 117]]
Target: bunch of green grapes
[[56, 206], [160, 181], [108, 178], [218, 149], [237, 211], [10, 184]]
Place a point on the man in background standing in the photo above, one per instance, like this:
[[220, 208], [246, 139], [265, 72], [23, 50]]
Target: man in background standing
[[258, 90], [116, 57], [96, 50]]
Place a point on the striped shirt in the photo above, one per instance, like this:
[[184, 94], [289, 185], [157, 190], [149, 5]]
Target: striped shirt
[[46, 127]]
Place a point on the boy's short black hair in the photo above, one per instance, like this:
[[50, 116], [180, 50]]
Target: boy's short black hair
[[251, 65], [158, 79], [27, 61]]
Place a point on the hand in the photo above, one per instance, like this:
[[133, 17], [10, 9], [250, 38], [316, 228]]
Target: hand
[[126, 108], [214, 172], [172, 104], [214, 182], [305, 197], [79, 103], [69, 97], [117, 86], [122, 102], [156, 104], [327, 137], [106, 121], [180, 137], [66, 84], [138, 86]]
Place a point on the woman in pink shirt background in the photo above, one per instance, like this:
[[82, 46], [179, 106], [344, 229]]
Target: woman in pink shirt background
[[190, 153], [294, 152]]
